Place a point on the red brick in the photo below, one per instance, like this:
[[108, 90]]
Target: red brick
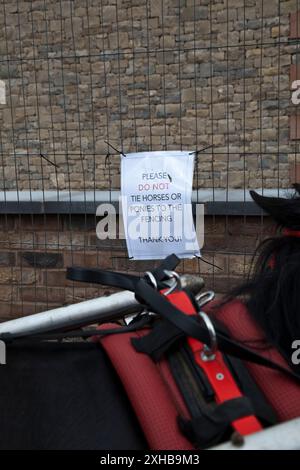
[[84, 293], [8, 276], [80, 222], [7, 293], [255, 226], [7, 258], [230, 243], [42, 294], [37, 222], [62, 240], [215, 242], [239, 265], [198, 266], [58, 279], [21, 309], [214, 225], [17, 240], [295, 173], [295, 25], [221, 284], [28, 276], [54, 278], [101, 259], [41, 259], [294, 72], [7, 222], [108, 244], [122, 263], [295, 127], [9, 311], [226, 239]]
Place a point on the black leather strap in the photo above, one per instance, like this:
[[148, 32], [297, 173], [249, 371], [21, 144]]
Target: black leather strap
[[209, 428], [114, 279], [184, 325], [98, 276], [180, 325]]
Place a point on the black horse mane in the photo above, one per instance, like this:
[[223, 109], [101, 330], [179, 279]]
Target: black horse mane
[[272, 291]]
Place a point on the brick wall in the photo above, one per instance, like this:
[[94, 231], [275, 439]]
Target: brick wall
[[35, 251], [146, 75]]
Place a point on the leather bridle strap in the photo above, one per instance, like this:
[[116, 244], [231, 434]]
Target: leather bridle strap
[[191, 327], [121, 280]]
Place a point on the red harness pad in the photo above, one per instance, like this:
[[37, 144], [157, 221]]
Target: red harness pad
[[151, 390], [282, 393], [216, 370]]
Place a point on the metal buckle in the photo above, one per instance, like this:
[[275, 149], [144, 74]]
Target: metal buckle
[[151, 278], [177, 283], [209, 352], [204, 298]]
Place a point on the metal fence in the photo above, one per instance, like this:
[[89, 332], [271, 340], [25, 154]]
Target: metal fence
[[141, 75]]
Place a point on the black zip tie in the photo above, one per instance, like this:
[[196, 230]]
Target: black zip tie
[[202, 150], [49, 161], [207, 262], [116, 150], [106, 160]]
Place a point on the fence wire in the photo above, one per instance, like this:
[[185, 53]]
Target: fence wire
[[141, 75]]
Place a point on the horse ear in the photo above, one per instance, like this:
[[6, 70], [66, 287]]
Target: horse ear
[[296, 186]]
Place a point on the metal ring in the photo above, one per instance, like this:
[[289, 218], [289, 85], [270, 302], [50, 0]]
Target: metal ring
[[204, 298], [177, 283], [151, 278], [209, 352]]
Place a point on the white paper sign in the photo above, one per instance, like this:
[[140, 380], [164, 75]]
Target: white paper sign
[[156, 190], [2, 92]]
